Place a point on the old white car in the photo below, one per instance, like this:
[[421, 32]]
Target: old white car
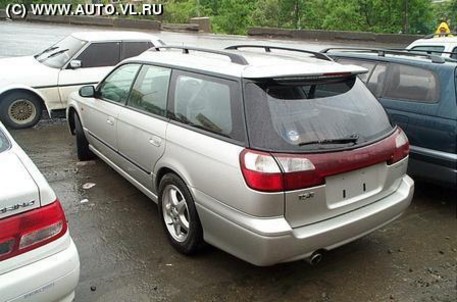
[[29, 84], [39, 261]]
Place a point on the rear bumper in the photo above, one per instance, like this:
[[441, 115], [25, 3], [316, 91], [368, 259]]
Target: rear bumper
[[50, 279], [266, 241]]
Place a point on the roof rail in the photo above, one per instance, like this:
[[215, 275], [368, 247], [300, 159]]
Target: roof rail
[[383, 51], [318, 55], [234, 58]]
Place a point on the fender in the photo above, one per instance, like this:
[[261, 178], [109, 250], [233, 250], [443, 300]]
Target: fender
[[6, 86]]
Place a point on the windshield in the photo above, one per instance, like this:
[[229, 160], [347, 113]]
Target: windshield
[[300, 116], [4, 144], [60, 53]]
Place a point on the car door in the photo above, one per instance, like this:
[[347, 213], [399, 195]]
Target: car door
[[100, 114], [96, 60], [142, 124]]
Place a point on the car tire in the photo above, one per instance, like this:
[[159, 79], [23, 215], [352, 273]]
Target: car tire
[[179, 216], [82, 145], [19, 110]]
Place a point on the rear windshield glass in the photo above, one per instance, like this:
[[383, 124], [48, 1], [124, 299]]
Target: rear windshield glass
[[300, 116], [4, 144]]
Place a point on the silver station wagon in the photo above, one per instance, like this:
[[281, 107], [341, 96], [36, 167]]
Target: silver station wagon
[[271, 156]]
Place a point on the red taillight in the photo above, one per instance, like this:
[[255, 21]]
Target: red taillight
[[275, 172], [27, 231], [401, 148]]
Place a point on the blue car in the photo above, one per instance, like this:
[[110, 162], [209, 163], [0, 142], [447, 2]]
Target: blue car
[[418, 91]]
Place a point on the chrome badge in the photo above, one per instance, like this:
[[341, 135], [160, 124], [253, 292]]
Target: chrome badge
[[17, 206]]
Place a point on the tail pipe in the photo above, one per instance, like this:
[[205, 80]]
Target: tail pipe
[[315, 257]]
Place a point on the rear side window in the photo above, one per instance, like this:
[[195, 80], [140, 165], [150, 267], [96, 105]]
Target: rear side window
[[370, 65], [150, 90], [431, 49], [4, 143], [208, 103], [100, 54], [454, 53], [411, 84], [131, 49], [300, 116]]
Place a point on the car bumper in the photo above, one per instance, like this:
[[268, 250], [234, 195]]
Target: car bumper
[[436, 166], [266, 241], [53, 278]]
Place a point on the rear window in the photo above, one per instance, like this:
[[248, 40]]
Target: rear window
[[300, 116], [4, 143]]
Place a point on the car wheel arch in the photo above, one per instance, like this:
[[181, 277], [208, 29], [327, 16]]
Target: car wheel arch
[[167, 169], [72, 113], [5, 93]]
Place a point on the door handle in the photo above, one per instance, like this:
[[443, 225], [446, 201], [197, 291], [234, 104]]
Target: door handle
[[110, 122], [155, 141]]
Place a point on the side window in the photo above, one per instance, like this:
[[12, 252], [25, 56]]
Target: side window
[[366, 64], [100, 54], [411, 84], [377, 80], [131, 49], [150, 90], [454, 53], [430, 49], [116, 87], [209, 103]]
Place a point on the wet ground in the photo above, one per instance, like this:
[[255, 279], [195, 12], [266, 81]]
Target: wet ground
[[125, 255]]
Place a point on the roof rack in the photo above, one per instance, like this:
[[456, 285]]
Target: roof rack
[[234, 58], [383, 51], [430, 52], [318, 55]]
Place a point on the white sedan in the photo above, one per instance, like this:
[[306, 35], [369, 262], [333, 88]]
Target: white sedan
[[29, 84], [38, 259]]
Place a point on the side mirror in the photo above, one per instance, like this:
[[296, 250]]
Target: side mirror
[[75, 64], [87, 91]]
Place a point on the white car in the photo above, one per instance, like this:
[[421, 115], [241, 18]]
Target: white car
[[445, 46], [38, 259], [29, 84]]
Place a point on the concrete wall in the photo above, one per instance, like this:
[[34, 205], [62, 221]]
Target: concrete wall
[[324, 35], [203, 25]]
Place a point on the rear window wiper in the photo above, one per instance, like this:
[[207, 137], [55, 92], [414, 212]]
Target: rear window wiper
[[337, 141]]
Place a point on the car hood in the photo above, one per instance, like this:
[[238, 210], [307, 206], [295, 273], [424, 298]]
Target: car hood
[[27, 71], [18, 190]]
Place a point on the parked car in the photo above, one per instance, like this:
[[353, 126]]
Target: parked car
[[419, 94], [38, 259], [445, 46], [269, 157], [30, 84]]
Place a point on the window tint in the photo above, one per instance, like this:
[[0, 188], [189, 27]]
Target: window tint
[[377, 79], [100, 54], [116, 87], [454, 53], [131, 49], [431, 49], [411, 83], [150, 90], [294, 116], [366, 64], [210, 104], [4, 144]]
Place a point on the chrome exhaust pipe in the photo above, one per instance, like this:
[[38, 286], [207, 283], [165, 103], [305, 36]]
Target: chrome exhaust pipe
[[315, 258]]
